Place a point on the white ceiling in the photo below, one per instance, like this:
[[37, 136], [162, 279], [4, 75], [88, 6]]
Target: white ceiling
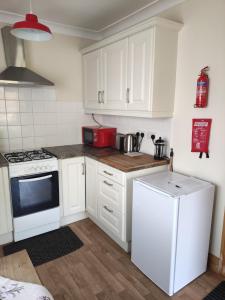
[[89, 14]]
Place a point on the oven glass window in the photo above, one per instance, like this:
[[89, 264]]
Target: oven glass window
[[34, 193]]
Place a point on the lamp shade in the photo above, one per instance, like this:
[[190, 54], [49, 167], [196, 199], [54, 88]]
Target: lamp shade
[[30, 29]]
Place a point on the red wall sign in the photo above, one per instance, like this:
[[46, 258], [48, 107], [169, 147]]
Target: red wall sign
[[200, 135]]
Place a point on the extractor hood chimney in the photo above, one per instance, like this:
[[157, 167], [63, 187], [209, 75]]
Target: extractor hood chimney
[[16, 73]]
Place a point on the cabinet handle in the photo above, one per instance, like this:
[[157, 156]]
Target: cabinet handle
[[83, 169], [99, 94], [107, 183], [109, 210], [102, 97], [107, 173], [128, 95]]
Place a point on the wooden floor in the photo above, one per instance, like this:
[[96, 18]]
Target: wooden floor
[[102, 270]]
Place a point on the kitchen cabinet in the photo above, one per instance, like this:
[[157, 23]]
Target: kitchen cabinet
[[109, 199], [114, 58], [91, 186], [5, 207], [135, 71], [92, 79], [72, 193]]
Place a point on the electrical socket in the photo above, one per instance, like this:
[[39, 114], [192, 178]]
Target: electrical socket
[[149, 134]]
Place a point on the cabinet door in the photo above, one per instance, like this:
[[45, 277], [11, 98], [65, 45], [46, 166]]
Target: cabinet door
[[5, 208], [91, 187], [139, 66], [73, 185], [92, 79], [115, 75]]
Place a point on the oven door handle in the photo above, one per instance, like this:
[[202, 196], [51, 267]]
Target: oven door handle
[[35, 179]]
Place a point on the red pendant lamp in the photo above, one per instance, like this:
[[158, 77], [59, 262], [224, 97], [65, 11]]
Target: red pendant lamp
[[30, 29]]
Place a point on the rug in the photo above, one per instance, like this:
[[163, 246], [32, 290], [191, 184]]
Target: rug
[[48, 246]]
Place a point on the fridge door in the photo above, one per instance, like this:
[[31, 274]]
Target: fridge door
[[154, 227]]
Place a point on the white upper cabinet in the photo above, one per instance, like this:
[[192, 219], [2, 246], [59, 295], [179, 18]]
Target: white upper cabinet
[[114, 58], [139, 70], [92, 79], [135, 71]]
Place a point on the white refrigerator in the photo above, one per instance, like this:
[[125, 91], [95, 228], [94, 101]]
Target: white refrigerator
[[171, 221]]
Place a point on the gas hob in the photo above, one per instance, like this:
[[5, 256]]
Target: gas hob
[[30, 162], [19, 157]]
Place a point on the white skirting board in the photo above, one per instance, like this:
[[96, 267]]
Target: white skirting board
[[65, 220]]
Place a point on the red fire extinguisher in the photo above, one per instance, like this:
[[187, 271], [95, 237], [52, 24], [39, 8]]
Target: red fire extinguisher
[[202, 89]]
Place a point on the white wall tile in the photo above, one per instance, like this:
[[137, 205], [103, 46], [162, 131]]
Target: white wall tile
[[40, 141], [45, 130], [15, 144], [2, 93], [11, 93], [28, 143], [4, 145], [14, 131], [3, 119], [45, 118], [25, 94], [39, 106], [12, 106], [2, 106], [3, 132], [25, 106], [26, 118], [13, 118], [27, 131], [44, 94]]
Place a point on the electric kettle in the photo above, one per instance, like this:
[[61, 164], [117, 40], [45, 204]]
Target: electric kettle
[[130, 142]]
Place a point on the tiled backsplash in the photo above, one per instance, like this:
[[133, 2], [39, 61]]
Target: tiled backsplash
[[33, 118]]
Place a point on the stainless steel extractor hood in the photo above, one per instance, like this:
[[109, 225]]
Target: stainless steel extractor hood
[[16, 73]]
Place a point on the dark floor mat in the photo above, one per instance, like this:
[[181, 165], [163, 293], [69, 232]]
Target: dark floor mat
[[48, 246], [218, 293]]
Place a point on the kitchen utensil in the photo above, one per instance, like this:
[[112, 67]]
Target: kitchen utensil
[[159, 147]]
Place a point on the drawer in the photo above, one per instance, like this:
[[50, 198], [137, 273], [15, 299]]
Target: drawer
[[111, 173], [113, 192], [110, 217]]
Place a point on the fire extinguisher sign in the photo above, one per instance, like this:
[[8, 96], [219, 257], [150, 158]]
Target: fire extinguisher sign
[[200, 136]]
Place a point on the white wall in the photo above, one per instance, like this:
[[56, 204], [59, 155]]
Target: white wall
[[159, 127], [201, 43]]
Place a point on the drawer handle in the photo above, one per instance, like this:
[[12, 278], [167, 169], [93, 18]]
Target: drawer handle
[[109, 210], [107, 173], [107, 183]]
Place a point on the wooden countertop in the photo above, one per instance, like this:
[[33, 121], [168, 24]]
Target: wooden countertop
[[108, 156], [18, 266], [128, 164]]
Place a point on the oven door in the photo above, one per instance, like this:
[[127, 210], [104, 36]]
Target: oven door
[[88, 136], [34, 193]]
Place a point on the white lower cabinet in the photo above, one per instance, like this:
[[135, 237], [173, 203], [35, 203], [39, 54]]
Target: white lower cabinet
[[109, 199], [5, 207], [91, 187], [72, 189]]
